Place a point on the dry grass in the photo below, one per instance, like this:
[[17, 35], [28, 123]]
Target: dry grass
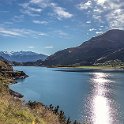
[[14, 111], [5, 65]]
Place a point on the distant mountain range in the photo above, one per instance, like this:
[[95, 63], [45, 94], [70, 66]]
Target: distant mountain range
[[22, 56], [105, 47]]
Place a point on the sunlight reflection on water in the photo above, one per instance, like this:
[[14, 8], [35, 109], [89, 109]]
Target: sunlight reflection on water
[[102, 109]]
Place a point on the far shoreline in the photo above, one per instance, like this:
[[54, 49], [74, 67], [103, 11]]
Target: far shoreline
[[90, 68]]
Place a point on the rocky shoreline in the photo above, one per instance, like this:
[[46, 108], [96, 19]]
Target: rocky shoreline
[[14, 76], [15, 94]]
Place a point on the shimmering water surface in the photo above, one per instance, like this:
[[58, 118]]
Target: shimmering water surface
[[93, 97]]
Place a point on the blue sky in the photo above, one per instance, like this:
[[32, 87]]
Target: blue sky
[[46, 26]]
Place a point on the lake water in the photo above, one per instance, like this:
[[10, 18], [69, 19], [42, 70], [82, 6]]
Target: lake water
[[95, 97]]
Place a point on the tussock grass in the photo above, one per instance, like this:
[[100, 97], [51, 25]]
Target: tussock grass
[[14, 111]]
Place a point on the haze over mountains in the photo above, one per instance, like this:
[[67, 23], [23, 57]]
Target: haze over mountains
[[108, 46], [22, 56]]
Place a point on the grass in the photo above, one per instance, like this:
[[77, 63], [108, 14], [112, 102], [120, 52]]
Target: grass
[[4, 65], [100, 67], [14, 114], [95, 67], [14, 111]]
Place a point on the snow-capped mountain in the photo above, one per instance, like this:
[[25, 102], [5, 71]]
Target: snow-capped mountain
[[22, 56]]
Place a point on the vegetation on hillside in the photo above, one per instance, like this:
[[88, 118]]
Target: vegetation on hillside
[[14, 111]]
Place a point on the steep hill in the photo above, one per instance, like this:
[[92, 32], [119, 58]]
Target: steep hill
[[90, 51]]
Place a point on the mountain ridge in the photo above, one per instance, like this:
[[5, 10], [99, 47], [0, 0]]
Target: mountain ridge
[[22, 56], [90, 51]]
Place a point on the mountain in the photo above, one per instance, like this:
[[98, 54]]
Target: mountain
[[34, 63], [89, 52], [22, 56], [116, 55], [2, 59]]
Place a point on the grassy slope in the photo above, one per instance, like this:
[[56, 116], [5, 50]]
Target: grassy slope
[[14, 111], [5, 65]]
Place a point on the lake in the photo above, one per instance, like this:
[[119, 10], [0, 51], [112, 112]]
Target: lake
[[93, 97]]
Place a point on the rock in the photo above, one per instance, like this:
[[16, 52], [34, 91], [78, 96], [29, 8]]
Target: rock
[[15, 94]]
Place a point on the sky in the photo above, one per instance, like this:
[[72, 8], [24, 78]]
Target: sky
[[46, 26]]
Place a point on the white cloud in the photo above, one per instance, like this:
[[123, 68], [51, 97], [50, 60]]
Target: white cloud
[[98, 10], [110, 12], [92, 29], [84, 6], [12, 32], [99, 32], [116, 19], [8, 32], [31, 47], [37, 1], [48, 47], [101, 2], [97, 17], [88, 22], [40, 3], [29, 10], [35, 7], [60, 12], [42, 34], [40, 22]]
